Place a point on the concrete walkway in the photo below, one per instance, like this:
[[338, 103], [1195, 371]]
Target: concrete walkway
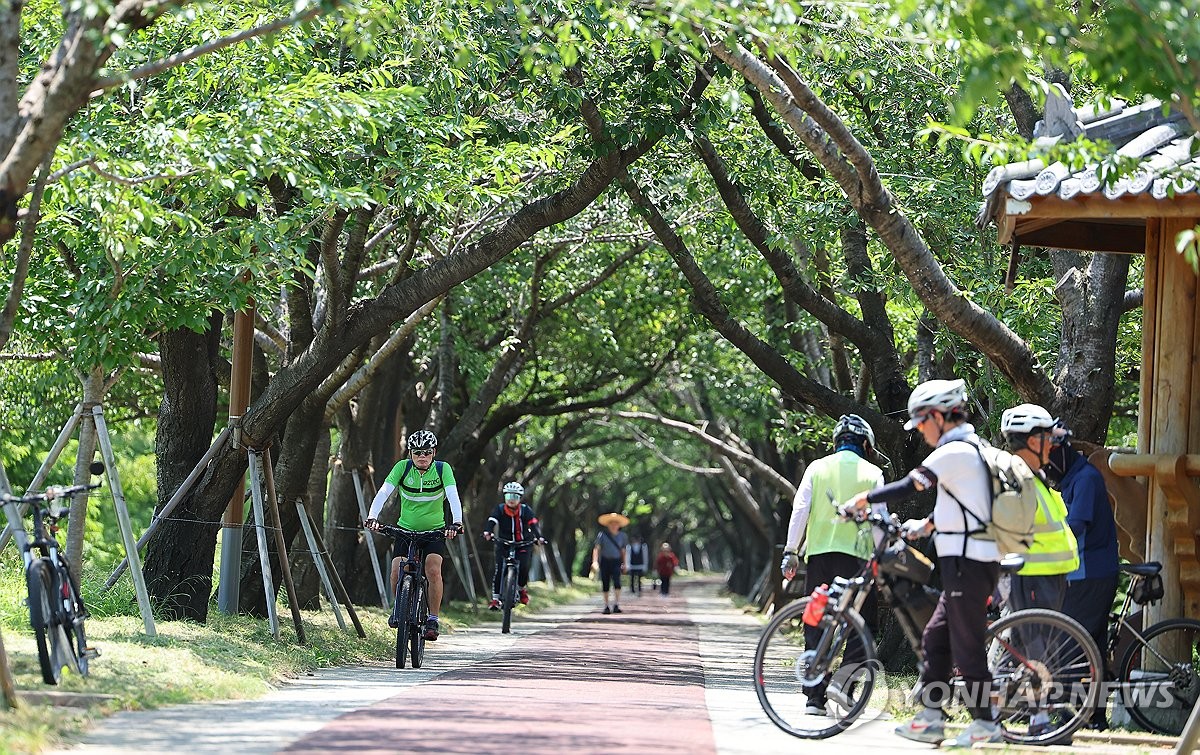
[[667, 675]]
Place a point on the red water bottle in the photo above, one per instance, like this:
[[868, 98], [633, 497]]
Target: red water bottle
[[816, 605]]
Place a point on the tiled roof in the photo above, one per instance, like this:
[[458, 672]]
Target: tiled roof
[[1163, 141]]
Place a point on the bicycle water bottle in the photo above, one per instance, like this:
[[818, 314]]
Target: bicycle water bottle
[[816, 605]]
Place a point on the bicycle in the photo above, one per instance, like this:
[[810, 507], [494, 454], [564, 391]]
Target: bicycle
[[56, 609], [1159, 673], [411, 607], [509, 579], [1039, 698]]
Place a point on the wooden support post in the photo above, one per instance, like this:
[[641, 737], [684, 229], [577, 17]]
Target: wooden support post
[[256, 494], [59, 444], [281, 548], [337, 578], [319, 562], [563, 571], [6, 680], [1191, 732], [123, 523], [182, 491], [369, 537], [546, 566]]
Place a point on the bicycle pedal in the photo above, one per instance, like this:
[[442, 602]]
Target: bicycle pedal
[[90, 653]]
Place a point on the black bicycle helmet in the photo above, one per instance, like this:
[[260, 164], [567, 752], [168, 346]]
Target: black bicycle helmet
[[422, 440]]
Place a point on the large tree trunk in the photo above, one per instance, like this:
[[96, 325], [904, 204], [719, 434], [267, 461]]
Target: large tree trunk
[[186, 419]]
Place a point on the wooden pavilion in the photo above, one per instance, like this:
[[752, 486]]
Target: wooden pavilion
[[1155, 493]]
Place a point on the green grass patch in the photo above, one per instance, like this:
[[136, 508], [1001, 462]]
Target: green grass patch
[[229, 657]]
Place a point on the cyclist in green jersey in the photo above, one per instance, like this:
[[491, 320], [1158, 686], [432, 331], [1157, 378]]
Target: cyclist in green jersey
[[424, 485]]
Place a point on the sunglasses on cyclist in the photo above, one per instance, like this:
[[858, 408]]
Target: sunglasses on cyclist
[[422, 453]]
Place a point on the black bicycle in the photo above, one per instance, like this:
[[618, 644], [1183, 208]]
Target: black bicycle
[[410, 610], [56, 610], [1045, 668], [1158, 674], [509, 578]]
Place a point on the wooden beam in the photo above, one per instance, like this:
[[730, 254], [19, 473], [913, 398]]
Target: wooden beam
[[1120, 238], [1100, 206]]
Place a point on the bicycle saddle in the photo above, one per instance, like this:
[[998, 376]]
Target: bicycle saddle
[[1148, 569]]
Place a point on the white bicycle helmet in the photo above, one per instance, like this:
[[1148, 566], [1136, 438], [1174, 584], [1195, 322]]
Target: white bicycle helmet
[[852, 424], [1025, 419], [514, 487], [422, 440], [940, 395]]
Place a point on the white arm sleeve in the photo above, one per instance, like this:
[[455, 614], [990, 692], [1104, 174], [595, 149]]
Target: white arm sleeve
[[800, 508], [385, 492], [455, 504]]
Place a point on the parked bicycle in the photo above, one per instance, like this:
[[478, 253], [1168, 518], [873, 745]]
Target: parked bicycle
[[56, 609], [411, 607], [1041, 695], [509, 579], [1159, 671]]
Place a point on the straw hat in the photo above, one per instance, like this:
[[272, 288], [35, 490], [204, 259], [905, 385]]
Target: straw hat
[[620, 519]]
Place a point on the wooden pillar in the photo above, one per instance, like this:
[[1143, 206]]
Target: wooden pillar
[[1170, 419]]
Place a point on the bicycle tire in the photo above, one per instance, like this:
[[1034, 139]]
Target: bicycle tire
[[71, 615], [417, 633], [41, 619], [781, 685], [403, 612], [1047, 675], [508, 598], [1159, 686]]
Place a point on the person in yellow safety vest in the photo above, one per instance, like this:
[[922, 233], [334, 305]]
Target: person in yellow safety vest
[[833, 547], [1029, 431], [1042, 582]]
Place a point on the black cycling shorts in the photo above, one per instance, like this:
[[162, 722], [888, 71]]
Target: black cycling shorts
[[438, 546]]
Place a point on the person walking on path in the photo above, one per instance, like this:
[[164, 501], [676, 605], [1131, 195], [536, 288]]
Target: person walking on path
[[833, 547], [956, 633], [665, 565], [608, 557], [637, 563], [424, 485]]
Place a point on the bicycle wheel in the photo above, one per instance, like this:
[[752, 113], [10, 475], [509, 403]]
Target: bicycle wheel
[[42, 619], [417, 632], [71, 619], [1046, 674], [1160, 676], [791, 680], [508, 593], [404, 613]]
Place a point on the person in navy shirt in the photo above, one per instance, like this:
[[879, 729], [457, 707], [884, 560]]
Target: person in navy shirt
[[1092, 587], [515, 521]]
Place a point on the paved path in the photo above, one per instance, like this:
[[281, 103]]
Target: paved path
[[669, 675]]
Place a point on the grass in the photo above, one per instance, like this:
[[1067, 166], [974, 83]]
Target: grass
[[230, 657]]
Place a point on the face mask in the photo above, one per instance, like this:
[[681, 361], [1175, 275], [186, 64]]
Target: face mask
[[1057, 462]]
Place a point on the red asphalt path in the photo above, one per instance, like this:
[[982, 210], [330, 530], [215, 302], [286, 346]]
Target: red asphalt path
[[629, 682]]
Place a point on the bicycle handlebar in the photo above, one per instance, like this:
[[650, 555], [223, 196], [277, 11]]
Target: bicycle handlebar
[[503, 541], [49, 494]]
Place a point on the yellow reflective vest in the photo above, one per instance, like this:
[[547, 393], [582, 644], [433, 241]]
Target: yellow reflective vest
[[839, 477], [1054, 549]]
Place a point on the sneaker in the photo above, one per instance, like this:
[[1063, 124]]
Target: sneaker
[[524, 597], [607, 609], [393, 621], [979, 731], [815, 707], [431, 629], [929, 726], [494, 605], [616, 609]]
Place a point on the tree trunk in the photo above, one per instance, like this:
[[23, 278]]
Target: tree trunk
[[182, 550]]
